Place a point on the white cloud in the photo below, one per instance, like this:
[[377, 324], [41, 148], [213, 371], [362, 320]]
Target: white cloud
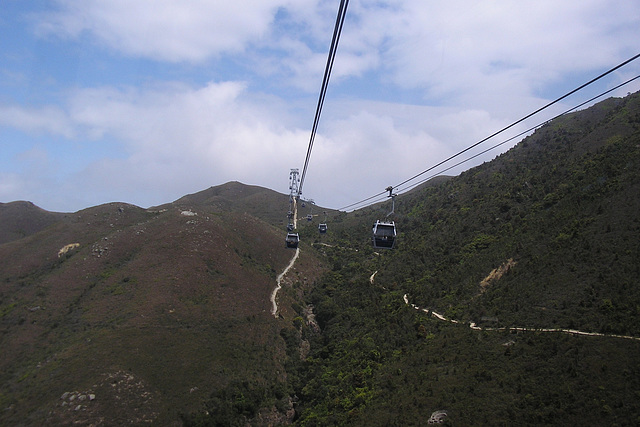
[[179, 138], [460, 50], [189, 30], [382, 144], [446, 49], [48, 120]]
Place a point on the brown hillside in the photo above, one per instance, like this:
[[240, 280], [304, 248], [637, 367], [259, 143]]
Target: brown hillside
[[20, 219], [268, 205], [149, 313], [234, 196]]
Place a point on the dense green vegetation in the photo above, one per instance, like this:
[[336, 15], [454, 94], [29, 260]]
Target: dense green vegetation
[[562, 210], [380, 362], [563, 205]]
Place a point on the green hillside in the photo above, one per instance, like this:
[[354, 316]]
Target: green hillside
[[563, 206]]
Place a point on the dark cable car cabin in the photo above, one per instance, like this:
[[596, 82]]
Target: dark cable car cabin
[[290, 226], [384, 235], [292, 240], [309, 217], [322, 228]]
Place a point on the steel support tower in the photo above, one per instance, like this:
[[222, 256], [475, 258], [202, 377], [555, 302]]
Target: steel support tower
[[294, 181]]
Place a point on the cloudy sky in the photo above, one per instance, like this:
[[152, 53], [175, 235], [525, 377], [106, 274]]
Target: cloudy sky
[[144, 101]]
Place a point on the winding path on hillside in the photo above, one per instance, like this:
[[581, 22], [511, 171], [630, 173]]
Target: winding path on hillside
[[373, 277], [274, 304], [474, 326]]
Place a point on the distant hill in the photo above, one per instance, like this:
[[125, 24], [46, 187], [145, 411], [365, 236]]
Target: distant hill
[[20, 219], [260, 202], [234, 196]]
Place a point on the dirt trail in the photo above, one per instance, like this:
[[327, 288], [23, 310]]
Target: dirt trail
[[472, 325], [274, 308], [295, 213]]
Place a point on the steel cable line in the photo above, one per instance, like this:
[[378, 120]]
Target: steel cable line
[[523, 119], [401, 190], [363, 201], [342, 12], [367, 202], [520, 134], [505, 128], [497, 145]]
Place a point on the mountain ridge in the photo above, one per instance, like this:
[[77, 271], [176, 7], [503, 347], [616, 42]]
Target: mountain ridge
[[22, 218]]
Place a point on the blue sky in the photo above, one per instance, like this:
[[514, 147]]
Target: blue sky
[[145, 101]]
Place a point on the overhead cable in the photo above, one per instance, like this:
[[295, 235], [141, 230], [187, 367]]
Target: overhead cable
[[505, 128], [520, 134], [523, 119], [342, 11]]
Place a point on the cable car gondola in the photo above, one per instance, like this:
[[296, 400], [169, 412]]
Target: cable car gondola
[[292, 240], [310, 214], [322, 227], [383, 235]]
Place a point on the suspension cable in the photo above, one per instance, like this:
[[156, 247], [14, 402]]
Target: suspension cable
[[506, 128], [342, 11], [520, 134], [523, 119]]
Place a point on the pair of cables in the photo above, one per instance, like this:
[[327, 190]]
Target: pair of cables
[[370, 200], [404, 189], [342, 12]]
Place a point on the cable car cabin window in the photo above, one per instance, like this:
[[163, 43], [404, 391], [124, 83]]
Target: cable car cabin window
[[292, 240], [384, 235], [322, 228]]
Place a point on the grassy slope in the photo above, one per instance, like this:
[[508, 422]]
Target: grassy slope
[[262, 203]]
